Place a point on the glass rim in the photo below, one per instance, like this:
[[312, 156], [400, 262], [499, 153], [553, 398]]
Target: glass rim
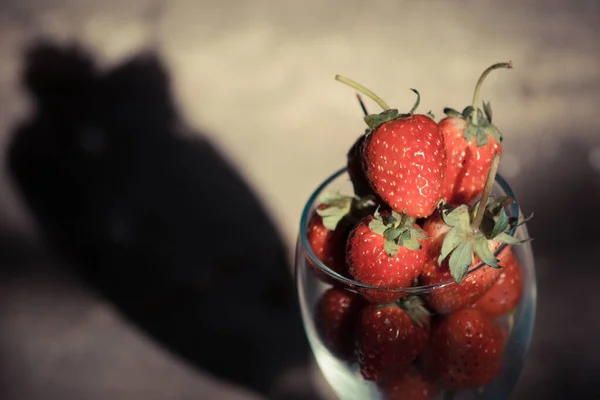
[[306, 214]]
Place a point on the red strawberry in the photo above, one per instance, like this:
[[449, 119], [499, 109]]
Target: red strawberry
[[410, 386], [386, 250], [403, 157], [328, 246], [506, 293], [465, 350], [472, 236], [328, 229], [471, 142], [390, 337], [455, 296], [336, 314]]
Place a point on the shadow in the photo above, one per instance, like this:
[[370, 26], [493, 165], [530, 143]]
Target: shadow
[[563, 191], [157, 221]]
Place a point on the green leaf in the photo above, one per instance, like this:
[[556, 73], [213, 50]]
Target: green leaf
[[390, 220], [487, 109], [375, 120], [393, 233], [430, 115], [482, 250], [501, 224], [467, 112], [377, 226], [508, 239], [416, 105], [461, 260], [499, 203], [332, 216], [377, 214], [481, 138], [411, 243], [397, 216], [418, 233], [451, 112], [332, 197], [458, 217], [451, 242], [493, 132], [331, 222], [481, 118], [524, 220], [470, 132], [390, 248]]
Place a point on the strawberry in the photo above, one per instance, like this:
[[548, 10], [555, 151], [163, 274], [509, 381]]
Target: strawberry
[[390, 337], [471, 142], [327, 245], [403, 157], [328, 229], [471, 237], [465, 350], [386, 250], [410, 386], [506, 293], [336, 314]]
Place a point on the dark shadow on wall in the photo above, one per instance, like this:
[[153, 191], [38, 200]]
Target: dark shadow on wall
[[564, 192], [159, 222]]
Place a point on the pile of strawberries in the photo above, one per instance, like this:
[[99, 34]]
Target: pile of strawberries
[[422, 214]]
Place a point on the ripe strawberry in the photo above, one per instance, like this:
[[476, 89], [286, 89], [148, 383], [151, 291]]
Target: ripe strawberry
[[465, 350], [328, 229], [410, 386], [403, 157], [336, 314], [506, 293], [471, 237], [456, 295], [471, 142], [327, 245], [390, 337], [386, 250]]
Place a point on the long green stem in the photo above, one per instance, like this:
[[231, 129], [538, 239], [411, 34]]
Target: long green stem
[[475, 119], [367, 92], [487, 190]]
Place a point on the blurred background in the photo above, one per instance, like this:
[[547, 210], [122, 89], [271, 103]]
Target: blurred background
[[156, 157]]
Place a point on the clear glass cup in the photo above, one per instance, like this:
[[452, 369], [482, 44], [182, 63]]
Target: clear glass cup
[[344, 375]]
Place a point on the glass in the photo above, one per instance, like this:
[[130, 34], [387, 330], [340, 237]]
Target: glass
[[344, 375]]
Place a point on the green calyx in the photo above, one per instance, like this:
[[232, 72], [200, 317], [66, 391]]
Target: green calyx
[[479, 125], [388, 114], [464, 239], [341, 208], [474, 227], [374, 121], [398, 230], [481, 131], [414, 306], [416, 310]]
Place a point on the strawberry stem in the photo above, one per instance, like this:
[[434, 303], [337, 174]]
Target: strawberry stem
[[362, 104], [508, 65], [487, 190], [363, 90], [412, 110]]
